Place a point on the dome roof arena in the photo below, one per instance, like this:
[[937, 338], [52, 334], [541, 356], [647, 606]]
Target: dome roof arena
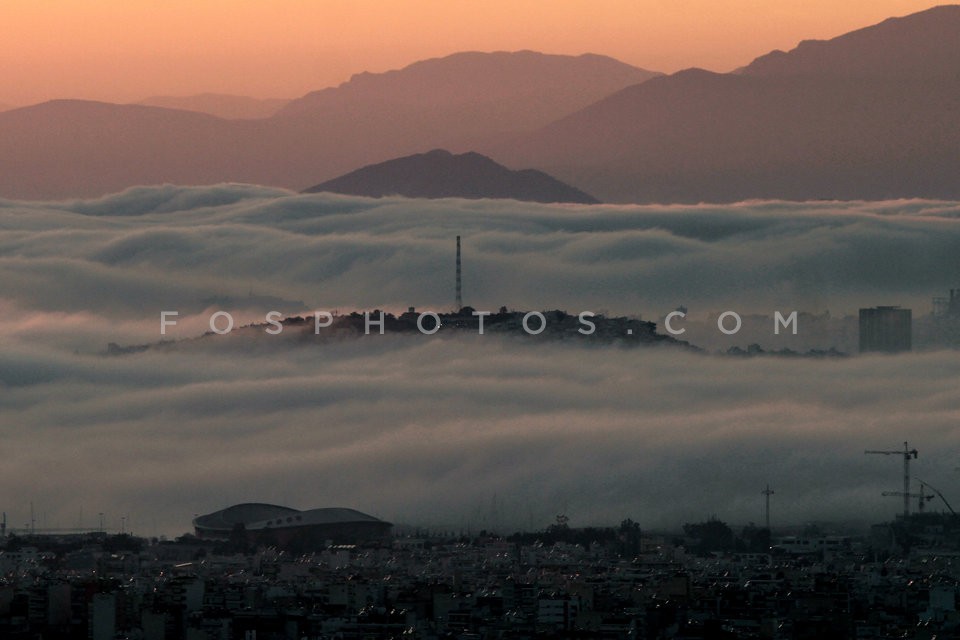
[[276, 524]]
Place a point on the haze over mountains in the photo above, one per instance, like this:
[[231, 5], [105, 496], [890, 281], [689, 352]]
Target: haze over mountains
[[441, 174], [869, 115], [76, 148], [225, 106]]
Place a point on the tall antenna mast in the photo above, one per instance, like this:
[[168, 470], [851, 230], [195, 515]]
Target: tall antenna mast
[[459, 297], [766, 494]]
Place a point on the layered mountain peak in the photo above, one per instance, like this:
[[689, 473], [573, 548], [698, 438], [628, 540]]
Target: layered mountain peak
[[472, 76], [924, 44]]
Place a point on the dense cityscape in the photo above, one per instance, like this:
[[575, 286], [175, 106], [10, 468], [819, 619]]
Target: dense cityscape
[[707, 581]]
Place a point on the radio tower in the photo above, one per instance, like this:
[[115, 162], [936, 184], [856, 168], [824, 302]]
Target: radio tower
[[766, 494], [459, 298]]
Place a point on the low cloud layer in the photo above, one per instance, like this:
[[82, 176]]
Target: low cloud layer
[[478, 431], [133, 253]]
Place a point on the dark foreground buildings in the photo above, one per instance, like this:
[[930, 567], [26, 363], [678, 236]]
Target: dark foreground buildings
[[902, 581]]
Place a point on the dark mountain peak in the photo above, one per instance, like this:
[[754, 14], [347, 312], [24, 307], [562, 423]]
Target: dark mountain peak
[[923, 44], [441, 174]]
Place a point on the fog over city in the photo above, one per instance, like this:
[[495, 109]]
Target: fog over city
[[457, 431]]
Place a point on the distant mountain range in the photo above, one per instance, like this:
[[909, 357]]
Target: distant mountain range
[[70, 148], [868, 115], [225, 106], [469, 96], [441, 174], [923, 44]]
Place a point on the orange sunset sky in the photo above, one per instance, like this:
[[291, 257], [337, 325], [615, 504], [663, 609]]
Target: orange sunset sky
[[125, 50]]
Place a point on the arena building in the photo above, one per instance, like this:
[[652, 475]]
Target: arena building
[[255, 523]]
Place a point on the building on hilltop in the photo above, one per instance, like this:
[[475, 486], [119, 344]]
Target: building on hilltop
[[885, 329]]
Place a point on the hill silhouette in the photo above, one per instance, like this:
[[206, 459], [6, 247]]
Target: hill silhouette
[[441, 174]]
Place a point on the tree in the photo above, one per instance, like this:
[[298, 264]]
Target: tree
[[755, 539], [712, 535]]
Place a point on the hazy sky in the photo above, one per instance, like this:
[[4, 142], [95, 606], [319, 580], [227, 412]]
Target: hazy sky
[[124, 50], [428, 431]]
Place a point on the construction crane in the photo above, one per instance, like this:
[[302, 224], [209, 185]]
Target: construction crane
[[937, 491], [922, 497], [907, 453]]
